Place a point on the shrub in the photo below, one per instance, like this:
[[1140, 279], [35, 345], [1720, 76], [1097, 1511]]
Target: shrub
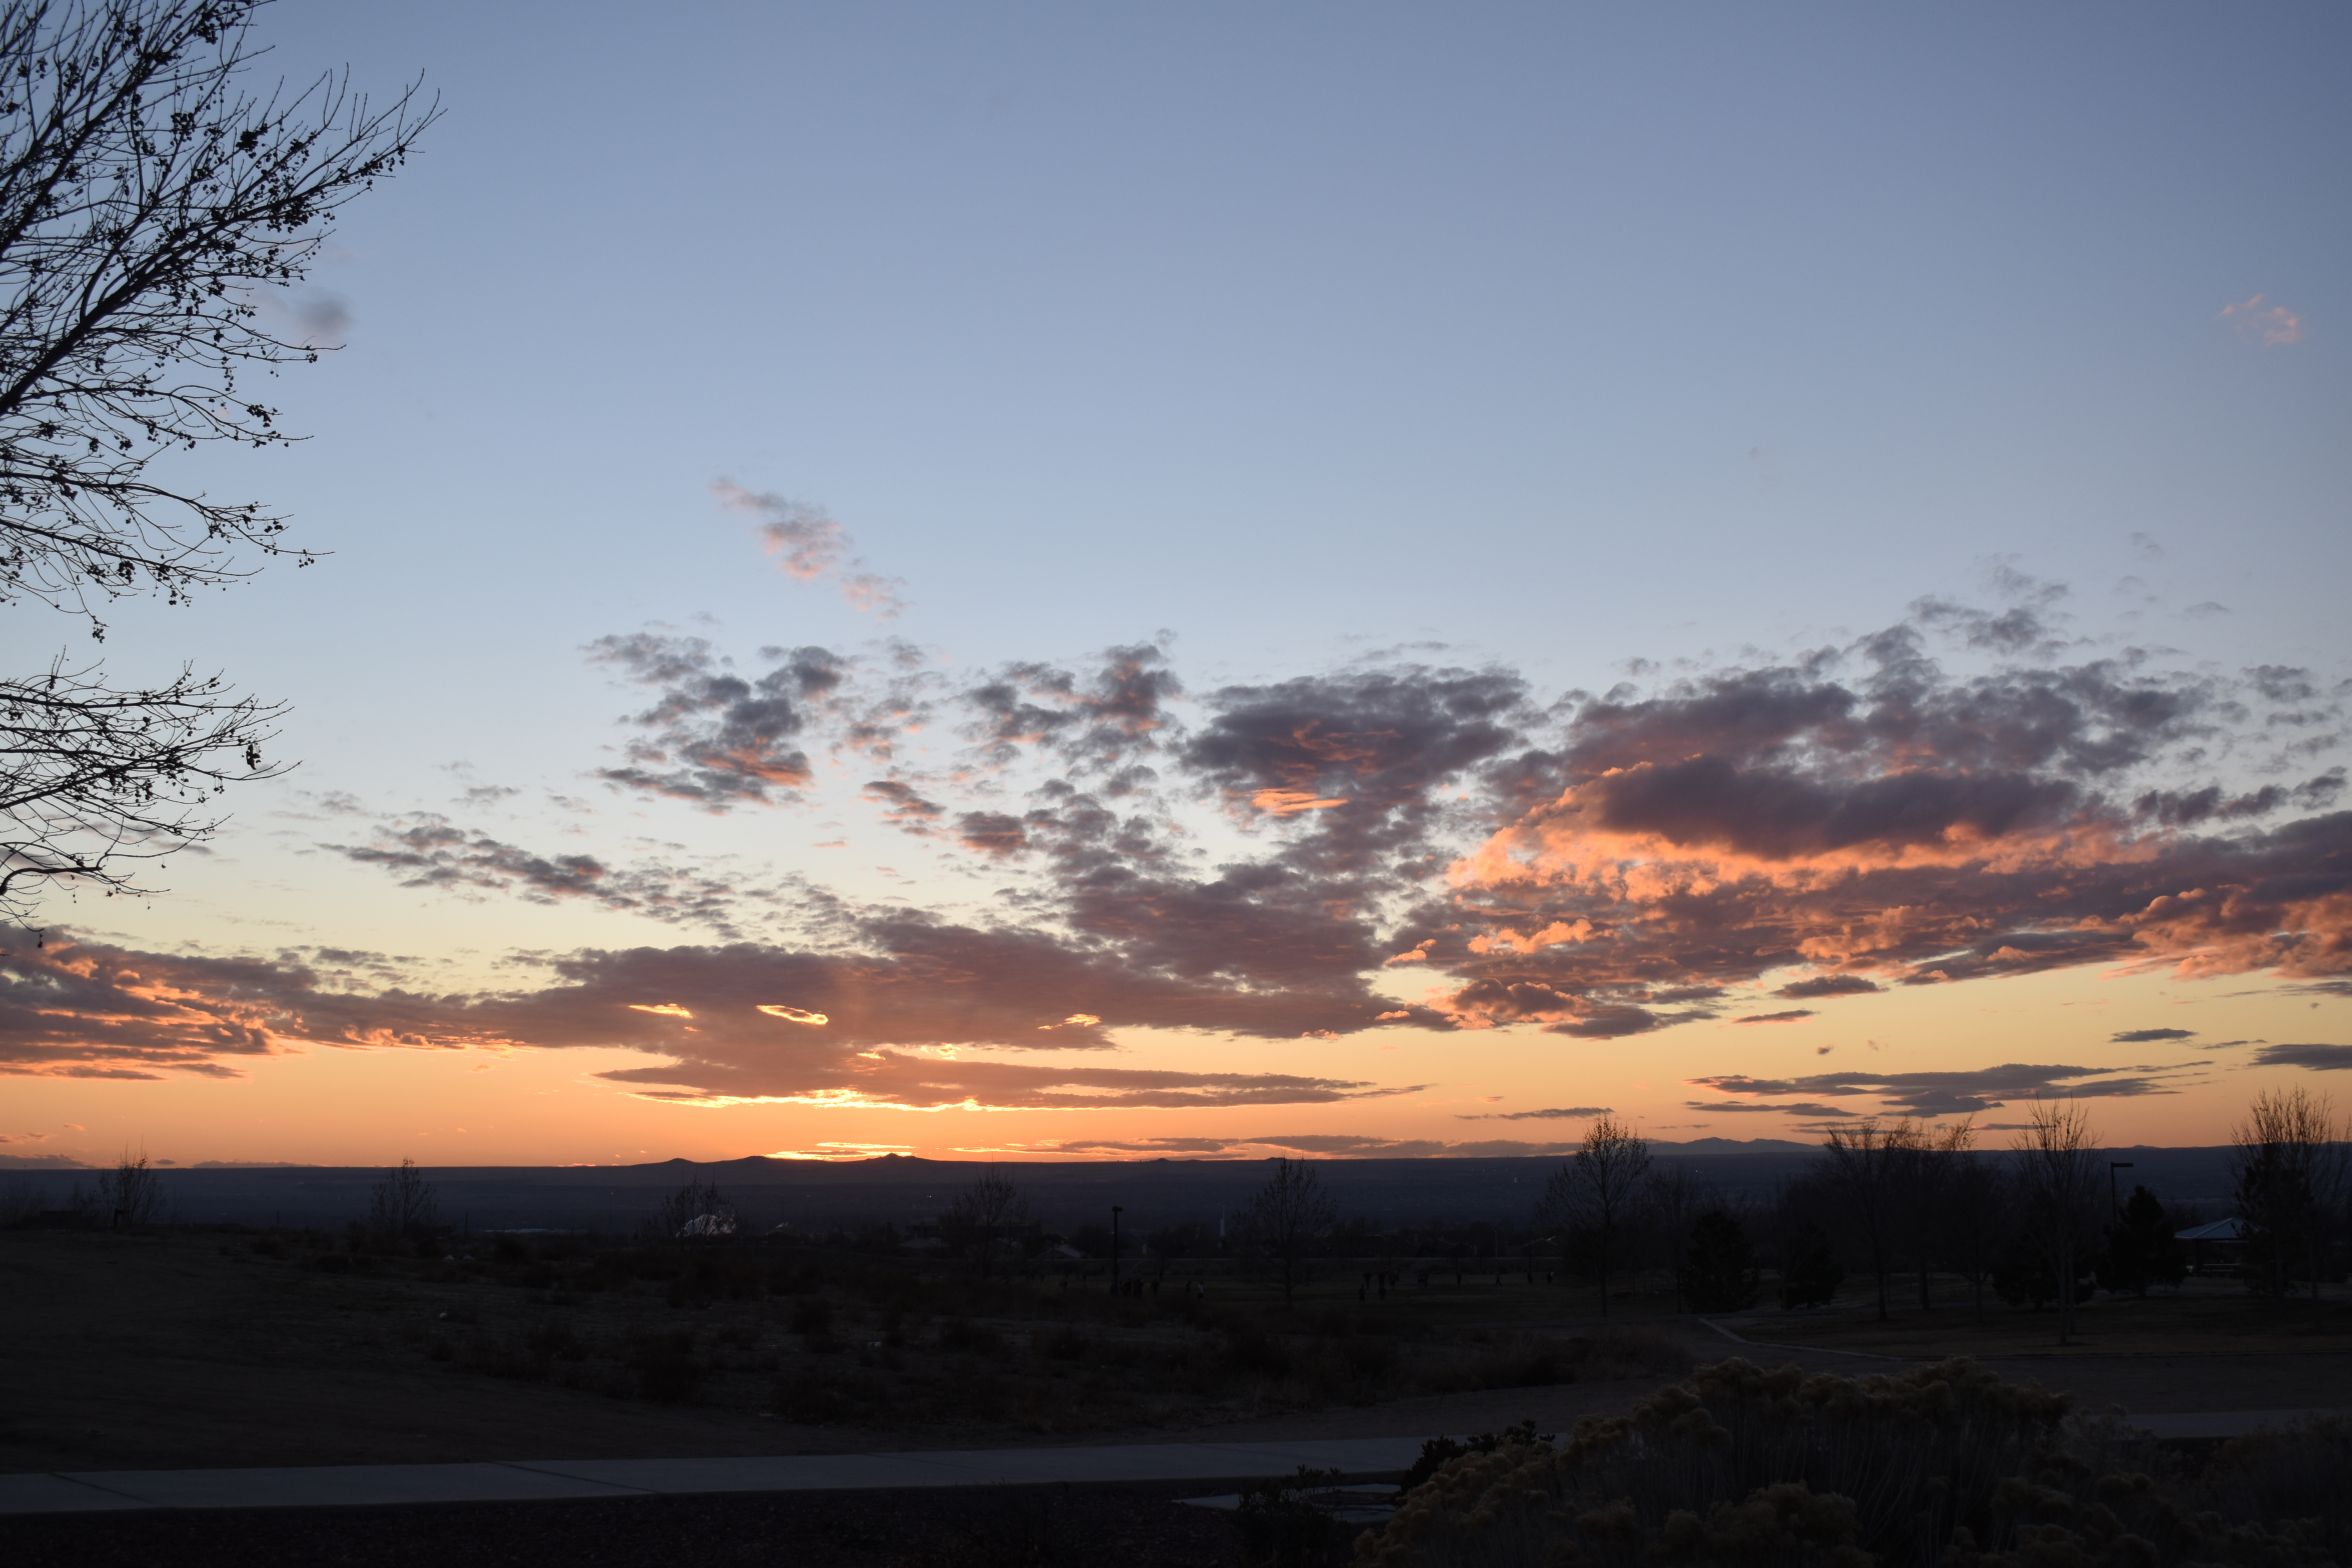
[[819, 1398], [1281, 1527], [812, 1317], [1812, 1274], [965, 1337], [667, 1368], [1441, 1451], [1065, 1343], [1946, 1465]]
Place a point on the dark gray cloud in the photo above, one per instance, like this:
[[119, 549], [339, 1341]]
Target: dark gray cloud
[[2315, 1058], [1357, 758], [1828, 985], [903, 804], [2150, 1036], [1099, 719], [1866, 813], [1942, 1093], [1555, 1113], [1341, 1146], [427, 850], [1788, 1016], [884, 1022], [712, 736], [1814, 1108]]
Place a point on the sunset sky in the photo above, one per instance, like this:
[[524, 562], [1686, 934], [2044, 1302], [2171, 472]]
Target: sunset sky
[[1083, 581]]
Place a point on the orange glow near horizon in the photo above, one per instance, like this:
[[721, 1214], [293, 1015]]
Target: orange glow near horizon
[[549, 1106]]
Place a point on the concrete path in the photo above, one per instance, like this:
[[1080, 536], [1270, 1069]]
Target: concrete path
[[330, 1486], [327, 1486]]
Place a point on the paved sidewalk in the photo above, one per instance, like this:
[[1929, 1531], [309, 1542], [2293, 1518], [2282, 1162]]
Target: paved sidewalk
[[330, 1486], [524, 1481]]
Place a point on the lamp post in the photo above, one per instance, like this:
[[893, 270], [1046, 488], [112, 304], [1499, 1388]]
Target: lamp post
[[1115, 1210], [2115, 1209]]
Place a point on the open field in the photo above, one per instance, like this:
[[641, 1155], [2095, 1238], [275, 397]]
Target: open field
[[196, 1347], [189, 1347]]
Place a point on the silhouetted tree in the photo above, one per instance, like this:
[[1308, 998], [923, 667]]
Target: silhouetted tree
[[1973, 1221], [403, 1203], [2057, 1170], [2287, 1161], [978, 1217], [130, 1195], [1719, 1267], [1811, 1274], [2022, 1276], [1289, 1215], [1597, 1191], [1673, 1200], [1923, 1167], [1864, 1163], [148, 206], [2141, 1247]]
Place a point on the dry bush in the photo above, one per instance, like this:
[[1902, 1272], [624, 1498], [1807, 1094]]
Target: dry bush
[[1945, 1466]]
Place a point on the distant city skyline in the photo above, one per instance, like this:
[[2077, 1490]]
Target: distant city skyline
[[1090, 585]]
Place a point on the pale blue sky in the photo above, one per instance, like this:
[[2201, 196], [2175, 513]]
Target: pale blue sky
[[1268, 328], [1561, 335]]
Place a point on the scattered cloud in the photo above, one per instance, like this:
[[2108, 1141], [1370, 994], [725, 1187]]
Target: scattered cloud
[[2273, 326], [713, 737], [810, 546], [2150, 1036], [427, 850], [1829, 985]]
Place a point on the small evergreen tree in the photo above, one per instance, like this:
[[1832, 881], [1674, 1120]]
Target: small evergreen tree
[[1812, 1274], [1719, 1267], [2141, 1250], [2023, 1277]]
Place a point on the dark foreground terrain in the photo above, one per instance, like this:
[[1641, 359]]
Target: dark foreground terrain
[[999, 1528], [194, 1348]]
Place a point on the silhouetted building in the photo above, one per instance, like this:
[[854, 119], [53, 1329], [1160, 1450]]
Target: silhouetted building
[[2216, 1248]]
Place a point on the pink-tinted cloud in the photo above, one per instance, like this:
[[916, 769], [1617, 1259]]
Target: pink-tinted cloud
[[810, 546], [2274, 326]]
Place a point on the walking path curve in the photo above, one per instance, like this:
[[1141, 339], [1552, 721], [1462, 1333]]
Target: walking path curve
[[326, 1486]]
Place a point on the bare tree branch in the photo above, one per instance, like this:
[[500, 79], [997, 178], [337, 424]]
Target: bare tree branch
[[148, 199]]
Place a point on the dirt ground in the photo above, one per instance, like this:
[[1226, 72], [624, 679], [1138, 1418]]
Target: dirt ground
[[195, 1349]]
